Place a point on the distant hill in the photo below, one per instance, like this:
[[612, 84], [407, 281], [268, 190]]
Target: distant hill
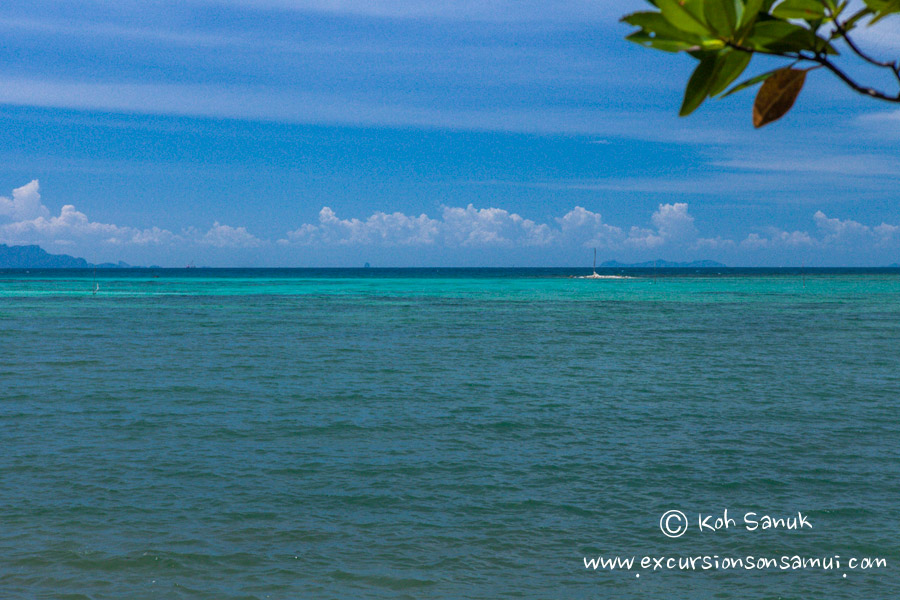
[[35, 257], [665, 264]]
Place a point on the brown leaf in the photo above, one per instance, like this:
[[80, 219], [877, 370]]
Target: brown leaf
[[777, 95]]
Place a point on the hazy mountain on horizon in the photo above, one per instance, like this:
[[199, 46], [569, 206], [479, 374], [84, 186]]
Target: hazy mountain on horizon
[[664, 264], [35, 257]]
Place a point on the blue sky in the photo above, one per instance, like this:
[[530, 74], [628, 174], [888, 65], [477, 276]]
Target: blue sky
[[415, 133]]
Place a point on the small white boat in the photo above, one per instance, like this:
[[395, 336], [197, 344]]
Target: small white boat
[[596, 275]]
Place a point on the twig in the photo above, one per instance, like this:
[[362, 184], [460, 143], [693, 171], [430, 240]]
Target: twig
[[823, 61], [893, 66]]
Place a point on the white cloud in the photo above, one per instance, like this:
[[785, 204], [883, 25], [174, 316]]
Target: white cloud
[[835, 229], [887, 234], [472, 226], [72, 225], [225, 236], [28, 221], [639, 237], [851, 232], [831, 233], [394, 229], [31, 222], [672, 232], [588, 229], [462, 227], [778, 238], [674, 223], [25, 203], [716, 243]]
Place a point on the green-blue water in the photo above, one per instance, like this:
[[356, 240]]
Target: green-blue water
[[442, 434]]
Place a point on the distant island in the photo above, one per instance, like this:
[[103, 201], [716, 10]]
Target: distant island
[[664, 264], [35, 257]]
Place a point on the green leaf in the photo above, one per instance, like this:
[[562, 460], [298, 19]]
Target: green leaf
[[721, 15], [698, 85], [659, 43], [679, 16], [655, 24], [781, 36], [766, 31], [853, 20], [887, 7], [799, 9], [777, 95], [730, 67], [752, 9]]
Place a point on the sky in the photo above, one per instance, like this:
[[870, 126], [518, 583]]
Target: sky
[[417, 133]]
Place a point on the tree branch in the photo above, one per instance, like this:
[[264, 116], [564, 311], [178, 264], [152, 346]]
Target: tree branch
[[893, 66], [871, 92], [824, 62]]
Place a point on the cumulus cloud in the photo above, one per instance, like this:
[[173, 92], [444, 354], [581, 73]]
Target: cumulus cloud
[[849, 231], [74, 224], [25, 220], [394, 229], [674, 223], [830, 232], [776, 238], [588, 229], [25, 203], [673, 227], [716, 243], [887, 234], [464, 227], [31, 222], [225, 236], [472, 226], [835, 228]]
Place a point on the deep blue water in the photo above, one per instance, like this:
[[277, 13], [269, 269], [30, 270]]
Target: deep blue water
[[443, 433]]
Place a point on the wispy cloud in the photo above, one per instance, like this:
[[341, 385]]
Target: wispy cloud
[[295, 106], [866, 165], [486, 10]]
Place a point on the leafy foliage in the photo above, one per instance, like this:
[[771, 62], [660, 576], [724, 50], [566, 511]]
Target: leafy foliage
[[723, 36]]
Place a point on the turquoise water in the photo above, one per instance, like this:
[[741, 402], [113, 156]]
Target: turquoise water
[[443, 434]]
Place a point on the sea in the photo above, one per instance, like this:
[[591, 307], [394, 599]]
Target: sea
[[450, 434]]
